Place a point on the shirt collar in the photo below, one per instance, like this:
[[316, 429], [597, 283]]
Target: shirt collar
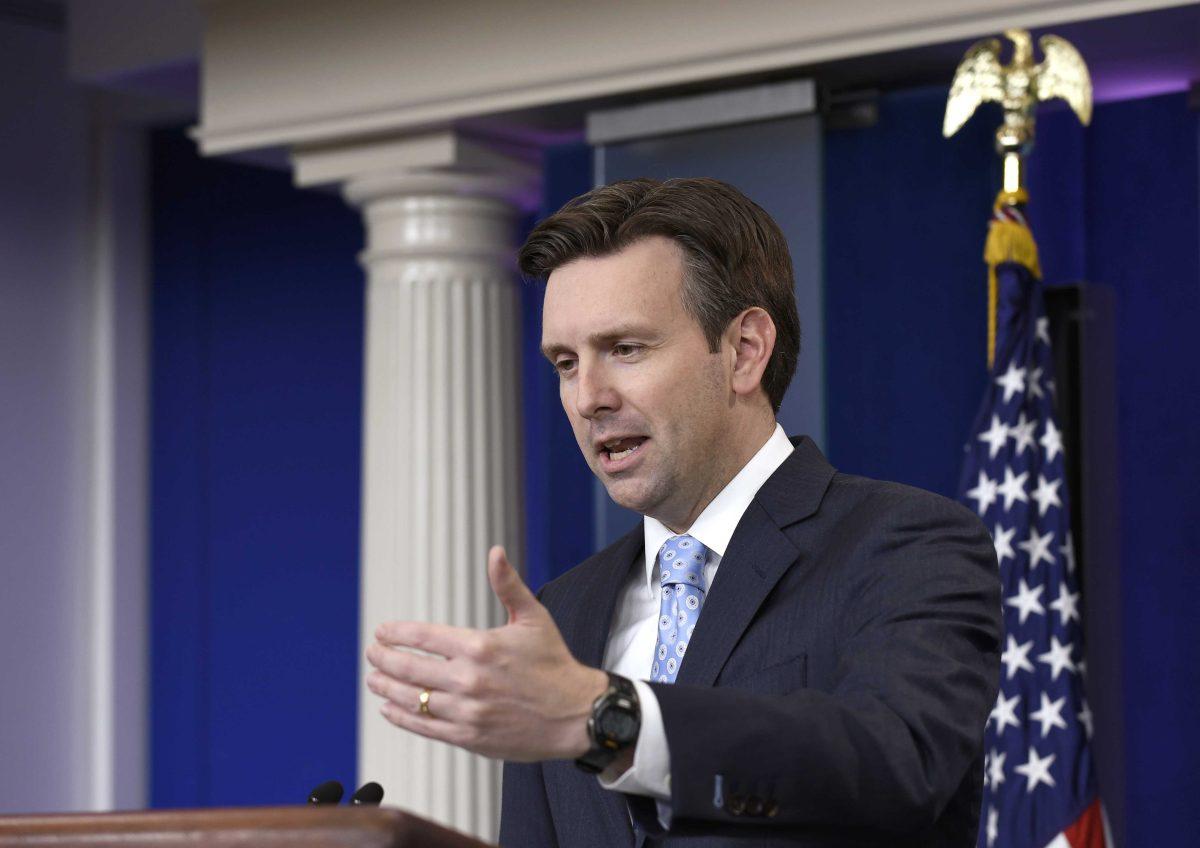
[[715, 525]]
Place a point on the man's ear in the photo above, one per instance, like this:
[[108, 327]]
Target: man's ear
[[752, 338]]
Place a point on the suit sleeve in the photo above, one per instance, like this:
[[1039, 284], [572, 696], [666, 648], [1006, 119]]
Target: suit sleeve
[[524, 809], [887, 746]]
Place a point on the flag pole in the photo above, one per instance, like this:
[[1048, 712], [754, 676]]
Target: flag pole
[[1039, 786], [1019, 87]]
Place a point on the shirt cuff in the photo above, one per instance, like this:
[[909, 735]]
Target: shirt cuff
[[650, 773]]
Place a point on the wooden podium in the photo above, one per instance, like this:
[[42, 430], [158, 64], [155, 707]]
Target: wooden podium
[[306, 827]]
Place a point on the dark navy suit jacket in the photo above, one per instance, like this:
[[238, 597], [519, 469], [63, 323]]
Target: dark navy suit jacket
[[835, 689]]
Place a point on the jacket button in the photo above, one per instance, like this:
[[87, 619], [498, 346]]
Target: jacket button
[[772, 809], [736, 805], [754, 806]]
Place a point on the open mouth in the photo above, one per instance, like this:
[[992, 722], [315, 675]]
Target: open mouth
[[619, 449]]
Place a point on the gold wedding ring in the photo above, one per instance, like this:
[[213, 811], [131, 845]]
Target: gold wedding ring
[[423, 703]]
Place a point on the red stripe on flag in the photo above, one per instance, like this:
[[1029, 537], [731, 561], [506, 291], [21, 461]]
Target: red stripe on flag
[[1088, 829]]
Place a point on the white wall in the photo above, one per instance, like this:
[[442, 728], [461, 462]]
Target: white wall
[[72, 436]]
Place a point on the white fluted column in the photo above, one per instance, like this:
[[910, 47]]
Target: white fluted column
[[442, 471]]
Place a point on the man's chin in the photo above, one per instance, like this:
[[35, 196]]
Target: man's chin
[[636, 495]]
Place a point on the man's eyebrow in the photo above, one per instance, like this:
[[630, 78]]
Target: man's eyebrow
[[601, 339]]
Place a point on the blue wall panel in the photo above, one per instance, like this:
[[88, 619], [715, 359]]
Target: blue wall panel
[[905, 289], [1143, 239], [256, 399], [558, 482]]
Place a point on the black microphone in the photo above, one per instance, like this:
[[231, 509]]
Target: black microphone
[[329, 792], [368, 795]]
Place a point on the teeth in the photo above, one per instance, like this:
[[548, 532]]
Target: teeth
[[622, 454]]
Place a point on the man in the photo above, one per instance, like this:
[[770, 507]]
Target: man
[[790, 655]]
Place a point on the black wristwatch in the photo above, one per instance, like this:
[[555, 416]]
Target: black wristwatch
[[614, 724]]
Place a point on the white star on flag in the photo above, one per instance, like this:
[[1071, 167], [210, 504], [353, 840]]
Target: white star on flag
[[1005, 712], [1067, 605], [995, 768], [1027, 601], [995, 436], [1085, 718], [1043, 330], [1058, 657], [1016, 657], [1003, 541], [1068, 552], [1050, 714], [1051, 440], [1022, 433], [1012, 381], [1046, 494], [1038, 547], [1035, 385], [984, 492], [1013, 488], [1036, 769]]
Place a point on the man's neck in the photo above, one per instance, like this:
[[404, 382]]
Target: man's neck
[[721, 478]]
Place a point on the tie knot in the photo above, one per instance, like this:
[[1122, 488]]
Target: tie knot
[[682, 560]]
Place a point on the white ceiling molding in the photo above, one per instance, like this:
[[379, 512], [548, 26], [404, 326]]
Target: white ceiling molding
[[325, 71]]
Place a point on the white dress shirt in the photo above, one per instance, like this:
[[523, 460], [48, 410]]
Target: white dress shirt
[[633, 634]]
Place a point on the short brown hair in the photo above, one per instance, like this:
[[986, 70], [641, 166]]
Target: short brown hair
[[735, 255]]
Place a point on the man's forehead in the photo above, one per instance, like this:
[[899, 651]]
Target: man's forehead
[[644, 275]]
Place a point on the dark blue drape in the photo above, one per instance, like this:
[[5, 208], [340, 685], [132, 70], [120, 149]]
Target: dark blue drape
[[256, 395], [905, 302], [1142, 237], [558, 483]]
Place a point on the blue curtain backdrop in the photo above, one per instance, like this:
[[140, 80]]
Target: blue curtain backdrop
[[905, 296], [256, 395], [558, 482], [1142, 237]]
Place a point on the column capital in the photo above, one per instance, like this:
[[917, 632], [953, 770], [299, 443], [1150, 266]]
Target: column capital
[[438, 162]]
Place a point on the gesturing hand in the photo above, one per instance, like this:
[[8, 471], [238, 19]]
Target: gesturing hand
[[512, 692]]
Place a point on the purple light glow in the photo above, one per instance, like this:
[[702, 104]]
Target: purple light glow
[[1135, 86]]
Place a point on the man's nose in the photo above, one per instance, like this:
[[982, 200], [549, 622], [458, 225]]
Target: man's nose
[[595, 393]]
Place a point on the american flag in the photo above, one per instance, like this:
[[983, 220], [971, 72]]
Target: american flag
[[1039, 782]]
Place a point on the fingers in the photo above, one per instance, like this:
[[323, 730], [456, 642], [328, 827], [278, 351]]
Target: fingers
[[406, 666], [432, 638], [445, 719], [508, 585], [443, 706]]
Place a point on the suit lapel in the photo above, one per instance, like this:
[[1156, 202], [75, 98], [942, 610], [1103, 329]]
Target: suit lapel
[[585, 630], [757, 557]]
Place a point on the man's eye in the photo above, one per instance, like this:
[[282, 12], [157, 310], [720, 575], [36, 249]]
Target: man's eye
[[564, 366], [626, 349]]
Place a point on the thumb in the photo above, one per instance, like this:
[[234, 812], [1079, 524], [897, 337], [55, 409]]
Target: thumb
[[508, 585]]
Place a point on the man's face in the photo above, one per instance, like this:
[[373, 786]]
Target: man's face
[[651, 407]]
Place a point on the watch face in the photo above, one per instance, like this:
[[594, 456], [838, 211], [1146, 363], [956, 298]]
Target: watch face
[[617, 724]]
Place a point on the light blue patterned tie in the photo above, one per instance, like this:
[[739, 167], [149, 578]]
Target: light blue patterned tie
[[681, 573]]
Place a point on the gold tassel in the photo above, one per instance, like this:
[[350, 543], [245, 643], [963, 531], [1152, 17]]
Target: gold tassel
[[1007, 241]]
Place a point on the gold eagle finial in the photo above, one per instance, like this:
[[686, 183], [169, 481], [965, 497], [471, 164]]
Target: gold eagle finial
[[1018, 86]]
